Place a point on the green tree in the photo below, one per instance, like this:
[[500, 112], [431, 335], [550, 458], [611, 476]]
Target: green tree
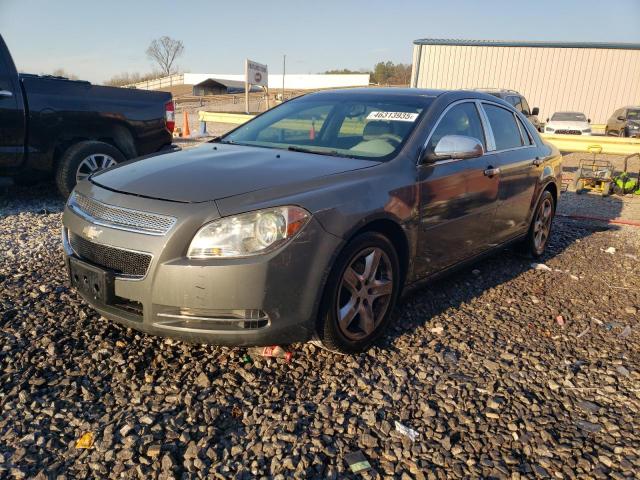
[[388, 73], [344, 71]]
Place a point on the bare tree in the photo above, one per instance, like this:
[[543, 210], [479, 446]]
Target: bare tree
[[164, 51]]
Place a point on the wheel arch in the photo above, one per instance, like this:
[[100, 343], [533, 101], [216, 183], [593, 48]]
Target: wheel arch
[[552, 188], [394, 232], [118, 136]]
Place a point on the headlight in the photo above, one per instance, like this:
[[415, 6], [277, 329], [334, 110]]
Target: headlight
[[586, 130], [248, 234], [548, 129]]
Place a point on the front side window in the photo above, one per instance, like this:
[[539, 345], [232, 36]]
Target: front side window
[[505, 130], [358, 126], [516, 102], [525, 107], [633, 114], [461, 119]]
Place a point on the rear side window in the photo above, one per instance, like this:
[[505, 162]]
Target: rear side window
[[505, 129], [526, 136], [516, 102], [461, 119]]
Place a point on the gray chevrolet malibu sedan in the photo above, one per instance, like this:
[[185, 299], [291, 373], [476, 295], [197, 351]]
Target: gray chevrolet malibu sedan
[[307, 222]]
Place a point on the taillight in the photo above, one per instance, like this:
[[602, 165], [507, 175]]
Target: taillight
[[170, 116]]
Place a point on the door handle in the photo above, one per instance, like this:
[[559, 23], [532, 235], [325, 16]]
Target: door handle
[[490, 172], [6, 93], [538, 161]]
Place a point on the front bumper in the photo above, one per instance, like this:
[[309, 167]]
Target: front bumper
[[261, 300]]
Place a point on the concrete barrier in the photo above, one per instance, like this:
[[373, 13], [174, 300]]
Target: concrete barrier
[[235, 118], [565, 143], [589, 144]]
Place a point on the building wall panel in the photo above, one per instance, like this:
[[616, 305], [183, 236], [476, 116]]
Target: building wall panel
[[595, 81]]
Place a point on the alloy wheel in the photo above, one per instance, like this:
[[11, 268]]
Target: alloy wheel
[[364, 293], [92, 164], [542, 225]]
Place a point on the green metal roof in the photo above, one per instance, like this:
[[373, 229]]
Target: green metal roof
[[538, 44]]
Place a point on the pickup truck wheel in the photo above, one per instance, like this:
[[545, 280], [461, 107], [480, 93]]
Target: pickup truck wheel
[[82, 160], [360, 296]]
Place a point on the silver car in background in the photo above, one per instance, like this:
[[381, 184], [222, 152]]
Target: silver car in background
[[308, 221]]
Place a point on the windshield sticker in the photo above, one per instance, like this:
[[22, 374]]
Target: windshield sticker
[[395, 116]]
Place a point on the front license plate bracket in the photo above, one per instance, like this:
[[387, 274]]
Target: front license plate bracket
[[93, 282]]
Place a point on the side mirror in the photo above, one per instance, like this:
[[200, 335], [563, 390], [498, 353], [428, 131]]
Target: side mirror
[[547, 119], [588, 120], [535, 111], [621, 118], [455, 147]]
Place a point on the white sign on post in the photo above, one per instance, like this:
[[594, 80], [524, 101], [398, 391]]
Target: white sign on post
[[255, 74]]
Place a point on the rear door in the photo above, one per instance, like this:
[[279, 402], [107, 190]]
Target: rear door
[[457, 199], [515, 155], [12, 120]]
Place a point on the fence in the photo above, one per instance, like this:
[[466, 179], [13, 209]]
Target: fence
[[158, 83]]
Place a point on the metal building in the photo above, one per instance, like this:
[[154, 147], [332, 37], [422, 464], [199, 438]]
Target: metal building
[[594, 78]]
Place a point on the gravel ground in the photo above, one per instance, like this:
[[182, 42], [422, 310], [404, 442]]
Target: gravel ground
[[503, 370]]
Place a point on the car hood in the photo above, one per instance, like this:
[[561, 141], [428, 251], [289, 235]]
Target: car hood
[[571, 125], [216, 171]]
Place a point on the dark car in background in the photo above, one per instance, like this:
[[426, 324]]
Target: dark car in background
[[308, 221], [624, 122], [53, 126], [519, 103]]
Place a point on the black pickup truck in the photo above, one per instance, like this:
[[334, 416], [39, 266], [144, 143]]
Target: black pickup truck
[[68, 129]]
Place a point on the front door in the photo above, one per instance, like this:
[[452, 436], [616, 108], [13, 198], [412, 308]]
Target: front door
[[516, 157], [12, 128], [457, 198]]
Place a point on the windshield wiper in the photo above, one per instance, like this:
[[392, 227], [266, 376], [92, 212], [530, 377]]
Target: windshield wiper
[[329, 153]]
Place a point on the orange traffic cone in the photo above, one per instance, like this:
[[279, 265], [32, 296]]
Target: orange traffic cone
[[185, 125], [312, 131]]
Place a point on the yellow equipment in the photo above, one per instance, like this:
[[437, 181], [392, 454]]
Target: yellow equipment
[[594, 174]]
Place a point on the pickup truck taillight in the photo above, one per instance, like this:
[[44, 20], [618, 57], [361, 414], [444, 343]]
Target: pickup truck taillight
[[170, 116]]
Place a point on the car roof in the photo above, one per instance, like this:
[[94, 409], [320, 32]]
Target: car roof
[[391, 92], [566, 111], [498, 91], [383, 91]]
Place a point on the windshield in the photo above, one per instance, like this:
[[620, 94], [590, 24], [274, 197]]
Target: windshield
[[568, 117], [633, 114], [358, 126]]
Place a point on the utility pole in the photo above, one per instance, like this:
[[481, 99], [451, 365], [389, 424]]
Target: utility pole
[[284, 68]]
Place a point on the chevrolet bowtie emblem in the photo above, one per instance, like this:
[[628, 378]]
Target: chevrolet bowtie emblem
[[91, 232]]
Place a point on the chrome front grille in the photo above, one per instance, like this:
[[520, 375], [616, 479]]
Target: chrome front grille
[[119, 217], [118, 260]]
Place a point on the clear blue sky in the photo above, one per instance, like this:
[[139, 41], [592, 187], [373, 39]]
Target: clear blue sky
[[96, 39]]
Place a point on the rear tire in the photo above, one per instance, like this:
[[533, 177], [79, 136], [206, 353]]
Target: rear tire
[[83, 159], [360, 295], [539, 232]]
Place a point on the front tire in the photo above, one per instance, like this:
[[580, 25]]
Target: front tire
[[360, 295], [83, 159], [539, 232]]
